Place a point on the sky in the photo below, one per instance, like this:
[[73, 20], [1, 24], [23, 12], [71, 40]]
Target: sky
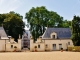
[[65, 8]]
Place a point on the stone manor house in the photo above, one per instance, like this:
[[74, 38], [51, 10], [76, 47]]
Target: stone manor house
[[52, 39]]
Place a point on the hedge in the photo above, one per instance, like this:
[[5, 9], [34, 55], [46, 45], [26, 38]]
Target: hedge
[[75, 48]]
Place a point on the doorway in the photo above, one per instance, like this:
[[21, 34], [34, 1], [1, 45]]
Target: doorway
[[54, 46], [60, 46]]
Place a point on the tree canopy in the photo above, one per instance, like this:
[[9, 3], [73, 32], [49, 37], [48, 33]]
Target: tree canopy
[[39, 18], [12, 23], [66, 24], [76, 30]]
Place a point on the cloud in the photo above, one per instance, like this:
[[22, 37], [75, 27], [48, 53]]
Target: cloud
[[9, 5]]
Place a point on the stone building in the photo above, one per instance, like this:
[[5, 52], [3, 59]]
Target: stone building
[[8, 44], [53, 39]]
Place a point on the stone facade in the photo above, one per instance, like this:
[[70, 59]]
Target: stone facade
[[40, 45], [50, 45], [53, 39], [10, 46], [7, 44], [3, 44]]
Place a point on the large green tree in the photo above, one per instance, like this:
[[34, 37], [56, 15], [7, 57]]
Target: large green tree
[[76, 30], [2, 17], [39, 18], [13, 24], [66, 24]]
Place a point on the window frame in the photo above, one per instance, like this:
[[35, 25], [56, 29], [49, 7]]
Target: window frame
[[46, 45], [53, 36], [38, 46], [11, 46], [68, 43]]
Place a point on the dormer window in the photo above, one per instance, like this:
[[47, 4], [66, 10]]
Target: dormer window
[[53, 36]]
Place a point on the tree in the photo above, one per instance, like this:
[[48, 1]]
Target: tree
[[66, 24], [54, 20], [76, 30], [13, 24], [2, 17], [39, 18]]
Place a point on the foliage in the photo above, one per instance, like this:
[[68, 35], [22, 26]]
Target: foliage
[[13, 24], [2, 17], [66, 24], [39, 18], [15, 46], [35, 47], [75, 48], [76, 30]]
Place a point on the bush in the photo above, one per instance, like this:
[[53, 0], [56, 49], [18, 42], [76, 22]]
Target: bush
[[61, 48], [35, 47], [15, 46], [75, 48], [69, 48]]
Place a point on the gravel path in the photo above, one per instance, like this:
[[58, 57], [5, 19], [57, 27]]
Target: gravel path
[[40, 56]]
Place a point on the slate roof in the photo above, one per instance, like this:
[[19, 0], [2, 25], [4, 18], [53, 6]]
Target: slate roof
[[61, 33], [2, 32]]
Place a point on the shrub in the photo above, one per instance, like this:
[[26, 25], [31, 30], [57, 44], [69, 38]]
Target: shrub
[[15, 46], [61, 48], [69, 48], [35, 47], [75, 48]]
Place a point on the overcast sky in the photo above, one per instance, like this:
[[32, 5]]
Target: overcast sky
[[65, 8]]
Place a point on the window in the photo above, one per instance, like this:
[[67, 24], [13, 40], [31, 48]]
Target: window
[[25, 36], [46, 46], [54, 46], [53, 36], [11, 46], [38, 46], [68, 43], [60, 46]]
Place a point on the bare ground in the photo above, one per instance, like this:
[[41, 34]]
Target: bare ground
[[57, 55]]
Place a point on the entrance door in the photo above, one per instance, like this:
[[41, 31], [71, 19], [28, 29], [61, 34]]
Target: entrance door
[[25, 45], [54, 46], [60, 46]]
